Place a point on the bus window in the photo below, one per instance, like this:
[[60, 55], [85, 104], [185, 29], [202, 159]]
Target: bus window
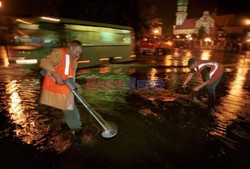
[[90, 35]]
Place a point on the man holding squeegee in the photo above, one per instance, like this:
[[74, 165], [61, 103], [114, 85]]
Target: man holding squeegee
[[60, 65], [211, 73]]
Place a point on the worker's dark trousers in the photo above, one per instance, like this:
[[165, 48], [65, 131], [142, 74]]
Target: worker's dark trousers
[[209, 89], [73, 118]]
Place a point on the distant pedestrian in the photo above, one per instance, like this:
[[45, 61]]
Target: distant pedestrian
[[61, 64], [211, 73]]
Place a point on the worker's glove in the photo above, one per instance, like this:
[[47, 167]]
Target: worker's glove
[[79, 89]]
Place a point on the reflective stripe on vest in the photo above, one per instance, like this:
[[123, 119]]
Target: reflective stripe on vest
[[216, 69], [65, 70], [209, 64]]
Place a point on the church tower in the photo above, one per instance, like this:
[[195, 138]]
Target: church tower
[[181, 13]]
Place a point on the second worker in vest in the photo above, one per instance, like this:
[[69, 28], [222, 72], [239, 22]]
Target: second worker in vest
[[211, 73], [61, 64]]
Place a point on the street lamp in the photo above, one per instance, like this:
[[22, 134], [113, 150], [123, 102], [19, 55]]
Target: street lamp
[[208, 40], [247, 22], [156, 32]]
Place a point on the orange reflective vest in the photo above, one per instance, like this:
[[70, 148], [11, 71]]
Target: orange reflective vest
[[215, 72], [64, 69]]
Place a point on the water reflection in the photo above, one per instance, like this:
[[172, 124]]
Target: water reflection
[[104, 70], [152, 74], [117, 71], [188, 54], [186, 57], [167, 60], [206, 55], [30, 125], [131, 71], [184, 60], [175, 62], [176, 53], [15, 107], [233, 104], [4, 56], [148, 113], [185, 70], [83, 71]]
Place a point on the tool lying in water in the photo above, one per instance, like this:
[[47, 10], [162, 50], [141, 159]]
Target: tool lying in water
[[191, 96], [110, 129]]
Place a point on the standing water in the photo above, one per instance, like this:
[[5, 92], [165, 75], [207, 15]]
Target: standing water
[[157, 128]]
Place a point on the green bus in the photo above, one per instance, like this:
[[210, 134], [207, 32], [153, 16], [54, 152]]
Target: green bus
[[34, 38]]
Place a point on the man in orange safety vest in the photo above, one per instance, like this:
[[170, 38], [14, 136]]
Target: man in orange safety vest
[[60, 65]]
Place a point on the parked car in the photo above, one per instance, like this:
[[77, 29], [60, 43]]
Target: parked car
[[155, 46]]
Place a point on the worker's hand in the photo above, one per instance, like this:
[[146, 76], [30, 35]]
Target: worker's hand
[[79, 89], [184, 85], [196, 89], [59, 79]]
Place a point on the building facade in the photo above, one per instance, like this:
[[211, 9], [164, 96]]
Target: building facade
[[208, 29]]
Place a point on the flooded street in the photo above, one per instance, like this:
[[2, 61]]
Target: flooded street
[[157, 128]]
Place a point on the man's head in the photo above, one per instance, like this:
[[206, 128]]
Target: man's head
[[191, 63], [75, 49]]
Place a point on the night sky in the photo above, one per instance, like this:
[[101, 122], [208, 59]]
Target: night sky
[[166, 8]]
